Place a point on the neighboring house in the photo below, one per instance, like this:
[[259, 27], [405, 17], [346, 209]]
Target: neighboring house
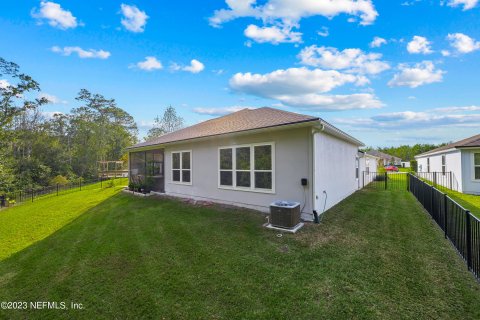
[[462, 158], [387, 159], [406, 164], [251, 158], [368, 163]]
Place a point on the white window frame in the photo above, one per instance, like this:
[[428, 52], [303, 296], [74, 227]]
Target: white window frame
[[252, 168], [444, 164], [474, 166], [181, 168]]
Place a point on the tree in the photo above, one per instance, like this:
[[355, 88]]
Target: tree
[[13, 101], [169, 122]]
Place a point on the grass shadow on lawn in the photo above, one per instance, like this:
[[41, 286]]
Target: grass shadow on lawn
[[375, 255]]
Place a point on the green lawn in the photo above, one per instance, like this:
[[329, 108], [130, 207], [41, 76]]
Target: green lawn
[[376, 255], [468, 201]]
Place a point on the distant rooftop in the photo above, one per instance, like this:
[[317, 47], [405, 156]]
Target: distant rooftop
[[382, 155], [465, 143]]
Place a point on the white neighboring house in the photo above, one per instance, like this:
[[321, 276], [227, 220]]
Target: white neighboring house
[[386, 158], [406, 164], [251, 158], [368, 164], [462, 158]]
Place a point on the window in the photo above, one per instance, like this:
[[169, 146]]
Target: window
[[476, 166], [356, 167], [428, 164], [247, 167], [182, 167], [444, 165], [367, 166]]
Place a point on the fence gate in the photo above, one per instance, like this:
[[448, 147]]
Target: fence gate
[[385, 180]]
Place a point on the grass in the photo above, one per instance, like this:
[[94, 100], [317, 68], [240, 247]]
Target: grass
[[374, 256], [468, 201], [33, 221]]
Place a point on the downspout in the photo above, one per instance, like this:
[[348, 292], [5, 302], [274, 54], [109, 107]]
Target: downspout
[[314, 195]]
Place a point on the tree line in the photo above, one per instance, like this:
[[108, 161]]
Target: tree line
[[38, 150], [406, 152]]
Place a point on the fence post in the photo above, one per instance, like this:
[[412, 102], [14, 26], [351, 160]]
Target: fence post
[[469, 239], [57, 189], [80, 184], [385, 180], [32, 192], [445, 215], [408, 181]]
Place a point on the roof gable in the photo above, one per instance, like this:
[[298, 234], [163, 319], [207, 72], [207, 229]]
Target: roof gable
[[470, 142]]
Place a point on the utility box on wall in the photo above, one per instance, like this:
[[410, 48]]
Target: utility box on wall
[[285, 214]]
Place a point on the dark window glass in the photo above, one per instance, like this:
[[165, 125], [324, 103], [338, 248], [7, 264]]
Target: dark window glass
[[477, 159], [263, 180], [477, 173], [243, 179], [263, 157], [226, 159], [176, 160], [185, 175], [185, 160], [243, 158], [176, 175], [226, 178]]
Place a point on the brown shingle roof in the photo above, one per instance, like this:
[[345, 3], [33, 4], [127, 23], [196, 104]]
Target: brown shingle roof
[[465, 143], [243, 120], [382, 155]]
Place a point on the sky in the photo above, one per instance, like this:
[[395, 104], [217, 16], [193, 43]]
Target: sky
[[386, 72]]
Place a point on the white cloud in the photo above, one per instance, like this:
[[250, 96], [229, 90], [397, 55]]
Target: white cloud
[[410, 119], [274, 34], [323, 32], [417, 75], [51, 98], [320, 102], [149, 64], [289, 11], [463, 43], [55, 15], [220, 111], [304, 88], [445, 53], [194, 67], [51, 114], [467, 4], [133, 18], [4, 84], [458, 109], [84, 54], [377, 42], [291, 81], [351, 60], [419, 45]]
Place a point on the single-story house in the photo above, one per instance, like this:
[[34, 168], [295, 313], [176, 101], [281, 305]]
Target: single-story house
[[368, 163], [387, 159], [406, 164], [461, 158], [252, 158]]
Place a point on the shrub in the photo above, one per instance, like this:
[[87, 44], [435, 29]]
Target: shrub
[[61, 180]]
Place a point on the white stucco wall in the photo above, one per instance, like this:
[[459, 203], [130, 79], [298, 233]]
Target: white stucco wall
[[334, 170], [293, 161], [469, 185], [453, 160]]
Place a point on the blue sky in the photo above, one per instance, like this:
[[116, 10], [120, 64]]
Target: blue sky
[[417, 83]]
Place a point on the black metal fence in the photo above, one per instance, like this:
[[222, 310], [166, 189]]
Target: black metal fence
[[34, 193], [459, 225], [439, 179], [385, 180]]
